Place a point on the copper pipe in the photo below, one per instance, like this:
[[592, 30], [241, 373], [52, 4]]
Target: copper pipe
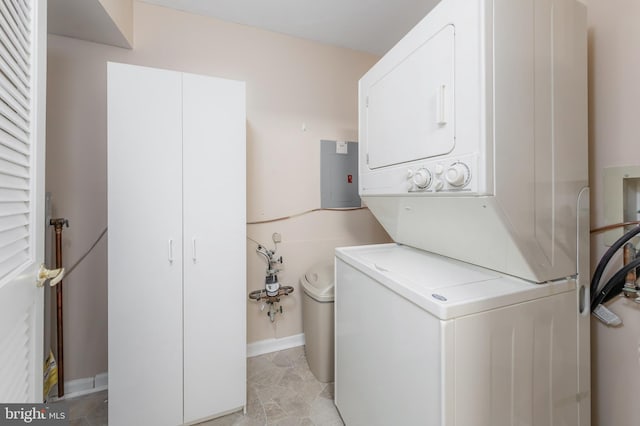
[[58, 224], [278, 219], [614, 226], [629, 253]]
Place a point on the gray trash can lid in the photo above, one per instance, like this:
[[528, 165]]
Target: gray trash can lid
[[318, 282]]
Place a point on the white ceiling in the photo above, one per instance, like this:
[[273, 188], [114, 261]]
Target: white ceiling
[[367, 25]]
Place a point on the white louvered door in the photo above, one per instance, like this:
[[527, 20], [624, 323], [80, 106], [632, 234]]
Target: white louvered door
[[22, 135]]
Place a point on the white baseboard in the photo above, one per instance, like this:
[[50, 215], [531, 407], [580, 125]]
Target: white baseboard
[[273, 345], [99, 382], [78, 385], [83, 386]]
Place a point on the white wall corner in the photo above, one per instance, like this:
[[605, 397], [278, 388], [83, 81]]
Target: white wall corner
[[108, 21], [121, 12]]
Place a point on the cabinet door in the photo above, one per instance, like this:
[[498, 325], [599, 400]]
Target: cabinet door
[[145, 246], [215, 246]]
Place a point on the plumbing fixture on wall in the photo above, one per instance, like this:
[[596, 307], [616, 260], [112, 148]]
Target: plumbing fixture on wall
[[630, 288], [622, 199], [272, 291], [623, 281]]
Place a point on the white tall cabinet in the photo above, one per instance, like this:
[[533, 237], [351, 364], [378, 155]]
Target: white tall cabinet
[[177, 256]]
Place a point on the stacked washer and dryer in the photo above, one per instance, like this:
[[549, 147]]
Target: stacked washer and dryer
[[473, 156]]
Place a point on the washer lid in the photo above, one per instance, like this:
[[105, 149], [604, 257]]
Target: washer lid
[[444, 287], [318, 282]]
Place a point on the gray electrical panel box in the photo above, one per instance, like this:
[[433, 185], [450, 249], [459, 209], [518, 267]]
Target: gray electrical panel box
[[339, 174]]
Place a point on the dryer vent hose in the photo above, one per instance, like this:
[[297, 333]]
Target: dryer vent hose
[[615, 284]]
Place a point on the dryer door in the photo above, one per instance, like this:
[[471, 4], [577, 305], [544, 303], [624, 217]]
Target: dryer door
[[410, 110]]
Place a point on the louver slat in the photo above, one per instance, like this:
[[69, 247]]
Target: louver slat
[[15, 134]]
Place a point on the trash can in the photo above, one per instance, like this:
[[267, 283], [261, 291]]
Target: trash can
[[317, 320]]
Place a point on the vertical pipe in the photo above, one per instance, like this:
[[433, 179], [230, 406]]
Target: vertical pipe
[[629, 254], [59, 311], [58, 224]]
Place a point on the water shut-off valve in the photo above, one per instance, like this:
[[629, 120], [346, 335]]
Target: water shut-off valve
[[272, 291]]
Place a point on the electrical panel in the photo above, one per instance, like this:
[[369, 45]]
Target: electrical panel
[[339, 174]]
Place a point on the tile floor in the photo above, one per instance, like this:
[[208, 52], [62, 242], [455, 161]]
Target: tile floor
[[281, 391], [88, 410]]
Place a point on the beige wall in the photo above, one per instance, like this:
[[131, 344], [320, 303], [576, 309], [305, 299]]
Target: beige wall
[[614, 108], [289, 82]]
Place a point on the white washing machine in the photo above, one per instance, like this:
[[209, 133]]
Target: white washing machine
[[427, 340], [473, 145]]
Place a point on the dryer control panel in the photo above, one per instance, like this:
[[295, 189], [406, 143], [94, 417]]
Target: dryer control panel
[[421, 126]]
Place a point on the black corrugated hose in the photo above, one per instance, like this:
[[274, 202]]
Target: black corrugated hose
[[615, 284]]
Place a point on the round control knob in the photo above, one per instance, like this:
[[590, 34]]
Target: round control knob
[[438, 185], [422, 178], [457, 174], [439, 169]]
